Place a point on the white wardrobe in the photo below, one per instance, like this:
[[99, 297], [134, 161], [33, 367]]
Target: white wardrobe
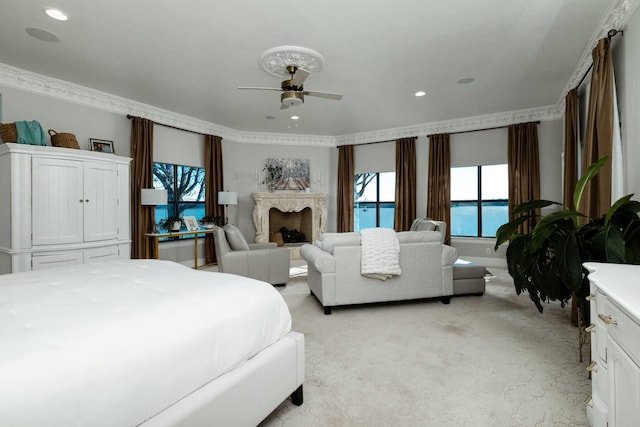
[[61, 206]]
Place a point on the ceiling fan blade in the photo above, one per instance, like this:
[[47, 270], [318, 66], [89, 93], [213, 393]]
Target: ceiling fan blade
[[327, 95], [283, 106], [260, 88], [300, 76]]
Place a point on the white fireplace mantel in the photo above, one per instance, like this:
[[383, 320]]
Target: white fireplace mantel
[[288, 202]]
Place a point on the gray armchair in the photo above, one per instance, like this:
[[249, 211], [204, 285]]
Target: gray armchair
[[428, 224], [261, 261]]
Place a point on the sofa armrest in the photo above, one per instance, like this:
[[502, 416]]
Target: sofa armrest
[[317, 258], [449, 255]]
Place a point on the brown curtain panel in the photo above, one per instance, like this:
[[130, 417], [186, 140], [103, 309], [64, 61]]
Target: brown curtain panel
[[596, 198], [142, 217], [345, 188], [571, 140], [524, 167], [439, 181], [405, 206], [213, 183]]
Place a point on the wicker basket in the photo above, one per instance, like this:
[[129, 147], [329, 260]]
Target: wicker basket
[[277, 238], [8, 132], [66, 140]]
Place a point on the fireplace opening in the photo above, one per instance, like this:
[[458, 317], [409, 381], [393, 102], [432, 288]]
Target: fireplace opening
[[297, 223]]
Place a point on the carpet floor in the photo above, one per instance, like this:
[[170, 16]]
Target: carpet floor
[[491, 360]]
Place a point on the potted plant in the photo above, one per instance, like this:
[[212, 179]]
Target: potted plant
[[209, 221], [547, 262], [173, 223]]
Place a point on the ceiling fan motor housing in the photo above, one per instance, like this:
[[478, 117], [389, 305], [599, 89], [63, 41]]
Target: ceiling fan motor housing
[[292, 98]]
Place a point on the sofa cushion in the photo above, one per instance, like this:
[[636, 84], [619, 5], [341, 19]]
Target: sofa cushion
[[235, 238], [328, 241]]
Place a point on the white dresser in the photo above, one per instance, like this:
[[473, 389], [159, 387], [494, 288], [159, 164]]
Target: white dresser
[[61, 206], [615, 345]]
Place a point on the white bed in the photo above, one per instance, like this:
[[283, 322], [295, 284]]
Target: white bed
[[143, 342]]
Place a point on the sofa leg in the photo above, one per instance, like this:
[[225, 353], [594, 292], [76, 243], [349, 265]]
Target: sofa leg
[[296, 397], [327, 310], [445, 300], [280, 285]]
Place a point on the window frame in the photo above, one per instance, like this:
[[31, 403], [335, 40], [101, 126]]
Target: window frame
[[173, 206], [478, 203], [371, 204]]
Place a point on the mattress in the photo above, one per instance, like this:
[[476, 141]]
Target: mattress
[[114, 343]]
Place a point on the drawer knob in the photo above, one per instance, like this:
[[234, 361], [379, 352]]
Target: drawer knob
[[590, 328], [590, 297], [607, 319], [593, 367]]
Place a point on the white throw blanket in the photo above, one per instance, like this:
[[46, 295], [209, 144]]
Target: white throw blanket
[[380, 253]]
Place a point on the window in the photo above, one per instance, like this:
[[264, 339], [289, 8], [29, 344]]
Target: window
[[185, 190], [479, 200], [374, 200]]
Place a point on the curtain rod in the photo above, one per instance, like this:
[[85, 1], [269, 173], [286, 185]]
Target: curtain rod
[[480, 130], [610, 34], [129, 116]]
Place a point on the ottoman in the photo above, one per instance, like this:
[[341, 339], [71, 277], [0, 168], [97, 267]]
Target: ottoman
[[468, 278]]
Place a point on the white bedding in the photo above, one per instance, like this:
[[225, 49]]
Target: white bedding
[[112, 344], [380, 253]]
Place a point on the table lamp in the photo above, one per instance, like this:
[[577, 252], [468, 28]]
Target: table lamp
[[153, 197], [227, 198]]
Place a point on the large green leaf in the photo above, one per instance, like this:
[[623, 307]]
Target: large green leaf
[[616, 206], [591, 171], [608, 245], [509, 230], [532, 205], [569, 263]]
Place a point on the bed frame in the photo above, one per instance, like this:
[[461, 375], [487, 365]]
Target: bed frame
[[245, 395]]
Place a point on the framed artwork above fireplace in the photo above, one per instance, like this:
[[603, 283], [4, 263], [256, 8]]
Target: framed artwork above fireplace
[[295, 174]]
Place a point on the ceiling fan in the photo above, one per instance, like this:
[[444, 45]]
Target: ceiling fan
[[292, 90]]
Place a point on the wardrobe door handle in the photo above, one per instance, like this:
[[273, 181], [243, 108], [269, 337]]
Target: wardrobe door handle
[[590, 328]]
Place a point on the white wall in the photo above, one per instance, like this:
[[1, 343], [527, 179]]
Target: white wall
[[626, 55]]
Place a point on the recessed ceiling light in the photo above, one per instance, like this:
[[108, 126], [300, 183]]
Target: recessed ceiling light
[[420, 93], [43, 35], [295, 117], [56, 14], [465, 81]]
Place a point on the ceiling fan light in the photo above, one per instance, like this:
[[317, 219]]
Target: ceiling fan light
[[292, 99]]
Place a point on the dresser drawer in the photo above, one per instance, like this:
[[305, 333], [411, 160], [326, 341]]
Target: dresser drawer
[[622, 329]]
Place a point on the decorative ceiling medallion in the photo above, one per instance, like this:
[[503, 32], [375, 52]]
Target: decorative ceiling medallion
[[275, 60]]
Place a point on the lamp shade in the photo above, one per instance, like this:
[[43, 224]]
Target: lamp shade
[[151, 196], [227, 198]]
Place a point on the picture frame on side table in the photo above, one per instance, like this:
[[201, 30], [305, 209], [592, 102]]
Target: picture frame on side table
[[101, 145], [191, 222]]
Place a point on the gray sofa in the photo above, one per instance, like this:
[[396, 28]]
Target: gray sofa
[[261, 261], [334, 270]]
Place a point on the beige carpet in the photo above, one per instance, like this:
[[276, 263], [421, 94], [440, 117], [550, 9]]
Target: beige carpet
[[480, 361]]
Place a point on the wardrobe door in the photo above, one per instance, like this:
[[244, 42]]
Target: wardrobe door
[[58, 202]]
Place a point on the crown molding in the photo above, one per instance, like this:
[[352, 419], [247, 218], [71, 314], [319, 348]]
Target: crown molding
[[476, 123], [42, 85], [616, 18]]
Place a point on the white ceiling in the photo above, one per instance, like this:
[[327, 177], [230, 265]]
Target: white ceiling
[[190, 56]]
